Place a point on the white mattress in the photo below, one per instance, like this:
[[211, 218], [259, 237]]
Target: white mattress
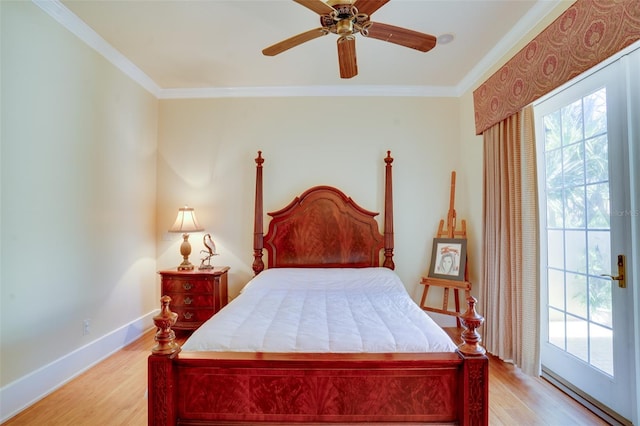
[[322, 310]]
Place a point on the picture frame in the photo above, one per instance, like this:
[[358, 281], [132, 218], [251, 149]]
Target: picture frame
[[448, 259]]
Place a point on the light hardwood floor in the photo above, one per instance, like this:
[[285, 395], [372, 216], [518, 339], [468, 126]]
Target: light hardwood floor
[[113, 393]]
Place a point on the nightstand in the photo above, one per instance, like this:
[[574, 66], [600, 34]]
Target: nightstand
[[196, 295]]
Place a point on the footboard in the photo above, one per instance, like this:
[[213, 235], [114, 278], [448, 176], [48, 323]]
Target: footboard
[[226, 387]]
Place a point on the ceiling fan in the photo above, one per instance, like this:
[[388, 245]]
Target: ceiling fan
[[346, 18]]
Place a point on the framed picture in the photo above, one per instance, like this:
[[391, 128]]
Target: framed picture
[[448, 258]]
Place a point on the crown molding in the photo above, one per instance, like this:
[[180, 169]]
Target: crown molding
[[313, 91], [75, 25]]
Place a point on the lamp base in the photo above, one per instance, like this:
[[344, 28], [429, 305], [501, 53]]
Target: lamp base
[[185, 267], [185, 251]]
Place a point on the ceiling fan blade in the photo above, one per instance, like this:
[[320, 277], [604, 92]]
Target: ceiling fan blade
[[369, 6], [402, 36], [293, 41], [347, 57], [318, 6]]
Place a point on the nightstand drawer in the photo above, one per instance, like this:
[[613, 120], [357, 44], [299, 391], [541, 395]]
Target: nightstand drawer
[[190, 300], [187, 285], [192, 317]]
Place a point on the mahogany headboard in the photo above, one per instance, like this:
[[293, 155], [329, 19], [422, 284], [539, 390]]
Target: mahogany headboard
[[323, 228]]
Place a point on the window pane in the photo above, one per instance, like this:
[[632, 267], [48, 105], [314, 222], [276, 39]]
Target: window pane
[[573, 164], [572, 123], [553, 164], [575, 251], [557, 328], [575, 208], [597, 159], [599, 243], [602, 348], [600, 301], [577, 341], [555, 249], [552, 131], [577, 295], [595, 113], [556, 289], [555, 217], [554, 189], [598, 213]]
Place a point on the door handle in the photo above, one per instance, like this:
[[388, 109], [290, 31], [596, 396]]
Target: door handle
[[621, 273]]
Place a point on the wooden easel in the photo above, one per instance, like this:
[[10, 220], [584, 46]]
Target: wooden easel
[[449, 232]]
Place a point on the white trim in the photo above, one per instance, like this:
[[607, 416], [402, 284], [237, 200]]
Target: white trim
[[20, 394], [632, 68], [605, 413], [71, 22], [292, 91]]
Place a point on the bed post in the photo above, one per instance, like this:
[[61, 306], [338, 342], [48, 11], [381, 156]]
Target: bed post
[[162, 400], [388, 214], [258, 264], [475, 371]]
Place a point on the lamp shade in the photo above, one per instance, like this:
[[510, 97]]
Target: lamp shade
[[186, 221]]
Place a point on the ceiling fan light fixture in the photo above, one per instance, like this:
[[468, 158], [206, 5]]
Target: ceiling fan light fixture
[[344, 27]]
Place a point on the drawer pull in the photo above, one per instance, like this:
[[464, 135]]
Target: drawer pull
[[187, 286], [188, 315], [188, 300]]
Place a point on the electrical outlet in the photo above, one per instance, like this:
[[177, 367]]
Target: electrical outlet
[[86, 327]]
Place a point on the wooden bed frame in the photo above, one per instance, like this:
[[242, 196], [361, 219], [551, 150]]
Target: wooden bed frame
[[321, 228]]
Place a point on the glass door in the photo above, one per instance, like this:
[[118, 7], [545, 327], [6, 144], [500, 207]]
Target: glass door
[[584, 190]]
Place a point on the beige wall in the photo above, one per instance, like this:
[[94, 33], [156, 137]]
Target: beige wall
[[78, 194], [206, 151]]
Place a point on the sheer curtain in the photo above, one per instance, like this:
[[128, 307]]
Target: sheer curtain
[[510, 291]]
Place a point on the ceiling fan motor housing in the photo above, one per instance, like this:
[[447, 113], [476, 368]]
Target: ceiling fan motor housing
[[344, 27], [344, 19]]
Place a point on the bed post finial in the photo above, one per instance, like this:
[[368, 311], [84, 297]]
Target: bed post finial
[[165, 336], [471, 320], [258, 264], [388, 214]]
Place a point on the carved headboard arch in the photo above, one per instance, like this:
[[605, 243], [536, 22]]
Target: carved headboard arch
[[323, 227]]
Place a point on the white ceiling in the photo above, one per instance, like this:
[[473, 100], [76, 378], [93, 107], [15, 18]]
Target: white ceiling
[[189, 46]]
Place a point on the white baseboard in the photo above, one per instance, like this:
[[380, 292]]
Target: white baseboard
[[22, 393]]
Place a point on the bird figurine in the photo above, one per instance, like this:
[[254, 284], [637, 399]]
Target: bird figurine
[[210, 252]]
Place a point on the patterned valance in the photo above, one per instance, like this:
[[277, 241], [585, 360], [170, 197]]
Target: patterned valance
[[587, 33]]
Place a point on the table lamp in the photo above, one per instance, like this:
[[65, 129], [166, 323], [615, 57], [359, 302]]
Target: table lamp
[[186, 222]]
